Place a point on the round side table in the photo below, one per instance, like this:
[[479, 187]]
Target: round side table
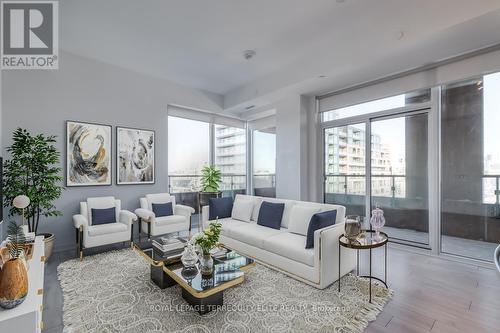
[[366, 241]]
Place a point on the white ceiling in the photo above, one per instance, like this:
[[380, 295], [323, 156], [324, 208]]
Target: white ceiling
[[199, 43]]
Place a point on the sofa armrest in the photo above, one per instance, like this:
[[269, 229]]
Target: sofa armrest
[[127, 217], [79, 221], [326, 248], [144, 214], [183, 210], [205, 213]]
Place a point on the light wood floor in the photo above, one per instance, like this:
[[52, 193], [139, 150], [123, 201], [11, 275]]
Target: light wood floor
[[437, 295]]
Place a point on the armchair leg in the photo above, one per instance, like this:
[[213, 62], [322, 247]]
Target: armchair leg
[[140, 227], [149, 231], [80, 243], [77, 232], [132, 236]]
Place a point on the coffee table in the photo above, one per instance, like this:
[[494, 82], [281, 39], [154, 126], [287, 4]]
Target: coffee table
[[203, 293]]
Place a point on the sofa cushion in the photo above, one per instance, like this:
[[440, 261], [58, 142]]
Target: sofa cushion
[[242, 210], [319, 221], [300, 218], [164, 220], [108, 228], [270, 214], [253, 234], [162, 209], [220, 207], [290, 246], [285, 220], [228, 224], [103, 215]]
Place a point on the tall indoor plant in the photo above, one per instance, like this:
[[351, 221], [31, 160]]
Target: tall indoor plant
[[210, 182], [33, 170]]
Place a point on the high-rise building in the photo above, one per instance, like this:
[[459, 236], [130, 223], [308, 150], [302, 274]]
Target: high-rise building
[[230, 156], [346, 162]]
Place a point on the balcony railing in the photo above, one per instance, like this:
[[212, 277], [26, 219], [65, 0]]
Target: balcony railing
[[396, 186], [230, 182]]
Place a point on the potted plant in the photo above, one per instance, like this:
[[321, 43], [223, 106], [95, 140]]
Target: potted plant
[[33, 170], [13, 274], [206, 241], [210, 181]]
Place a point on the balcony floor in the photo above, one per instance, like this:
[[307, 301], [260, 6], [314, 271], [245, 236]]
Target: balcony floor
[[453, 245]]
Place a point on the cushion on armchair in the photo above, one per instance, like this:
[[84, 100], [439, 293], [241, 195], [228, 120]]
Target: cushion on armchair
[[103, 216], [162, 209], [220, 208], [319, 221]]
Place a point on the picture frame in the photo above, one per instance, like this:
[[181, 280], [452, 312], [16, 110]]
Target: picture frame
[[135, 156], [88, 154]]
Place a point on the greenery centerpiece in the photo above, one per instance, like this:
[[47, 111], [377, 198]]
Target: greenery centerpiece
[[207, 240], [14, 274], [33, 170]]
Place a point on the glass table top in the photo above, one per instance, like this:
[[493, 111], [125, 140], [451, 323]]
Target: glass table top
[[366, 240], [228, 266]]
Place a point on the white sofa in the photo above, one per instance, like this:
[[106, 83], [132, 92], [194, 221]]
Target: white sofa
[[285, 251], [155, 226], [89, 235]]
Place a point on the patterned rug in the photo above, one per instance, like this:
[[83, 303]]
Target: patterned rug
[[112, 292]]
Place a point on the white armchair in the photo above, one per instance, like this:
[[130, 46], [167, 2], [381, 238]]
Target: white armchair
[[155, 226], [88, 235]]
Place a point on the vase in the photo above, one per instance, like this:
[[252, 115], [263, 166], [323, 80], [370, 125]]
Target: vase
[[48, 242], [377, 221], [13, 283], [189, 256], [352, 227], [206, 264]]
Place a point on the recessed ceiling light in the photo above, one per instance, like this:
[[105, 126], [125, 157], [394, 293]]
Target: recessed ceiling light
[[249, 54]]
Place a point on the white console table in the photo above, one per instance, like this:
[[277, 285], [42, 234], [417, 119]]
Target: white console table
[[27, 317]]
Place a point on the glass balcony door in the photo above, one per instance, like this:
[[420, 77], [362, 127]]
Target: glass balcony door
[[397, 181], [345, 171], [399, 175]]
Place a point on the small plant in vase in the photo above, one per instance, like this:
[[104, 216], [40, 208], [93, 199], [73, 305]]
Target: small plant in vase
[[206, 241]]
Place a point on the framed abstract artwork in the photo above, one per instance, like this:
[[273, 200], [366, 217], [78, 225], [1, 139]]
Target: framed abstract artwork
[[88, 154], [135, 158]]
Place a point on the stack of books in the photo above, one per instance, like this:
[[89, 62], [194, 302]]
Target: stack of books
[[168, 246]]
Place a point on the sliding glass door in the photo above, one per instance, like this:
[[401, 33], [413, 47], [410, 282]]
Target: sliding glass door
[[345, 172], [399, 177], [397, 160]]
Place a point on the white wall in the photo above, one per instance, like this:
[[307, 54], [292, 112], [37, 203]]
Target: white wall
[[87, 90], [292, 145]]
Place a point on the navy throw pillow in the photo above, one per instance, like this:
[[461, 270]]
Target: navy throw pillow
[[319, 221], [220, 208], [103, 216], [164, 209], [270, 214]]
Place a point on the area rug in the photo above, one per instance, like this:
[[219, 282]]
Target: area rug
[[112, 292]]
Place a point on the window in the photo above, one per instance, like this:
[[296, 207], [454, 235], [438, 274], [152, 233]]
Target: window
[[188, 153], [383, 104], [264, 162], [230, 158], [470, 159]]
